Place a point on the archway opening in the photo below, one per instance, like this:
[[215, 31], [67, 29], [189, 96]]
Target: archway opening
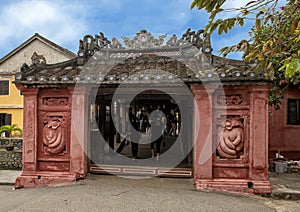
[[111, 148]]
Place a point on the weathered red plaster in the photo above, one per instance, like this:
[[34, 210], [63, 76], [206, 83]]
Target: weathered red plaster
[[53, 150], [284, 138], [248, 172], [64, 112]]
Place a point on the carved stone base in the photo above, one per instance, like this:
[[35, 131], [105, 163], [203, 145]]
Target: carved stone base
[[238, 186], [39, 179]]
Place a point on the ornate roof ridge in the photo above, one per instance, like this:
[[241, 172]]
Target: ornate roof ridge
[[99, 60], [143, 39], [216, 59]]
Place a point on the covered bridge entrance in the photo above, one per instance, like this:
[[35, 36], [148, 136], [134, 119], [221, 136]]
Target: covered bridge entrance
[[185, 112]]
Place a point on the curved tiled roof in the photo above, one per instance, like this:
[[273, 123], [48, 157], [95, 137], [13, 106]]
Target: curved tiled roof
[[143, 59]]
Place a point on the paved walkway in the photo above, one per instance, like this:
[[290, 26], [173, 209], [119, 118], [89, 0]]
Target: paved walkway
[[112, 193], [284, 186], [8, 177]]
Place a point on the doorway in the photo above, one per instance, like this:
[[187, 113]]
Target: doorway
[[112, 153]]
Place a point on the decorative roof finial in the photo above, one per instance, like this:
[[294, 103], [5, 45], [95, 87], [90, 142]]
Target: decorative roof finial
[[37, 59]]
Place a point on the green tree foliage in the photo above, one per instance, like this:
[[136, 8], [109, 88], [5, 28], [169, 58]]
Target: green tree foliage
[[274, 44], [10, 129]]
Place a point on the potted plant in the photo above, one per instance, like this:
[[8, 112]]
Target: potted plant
[[8, 131]]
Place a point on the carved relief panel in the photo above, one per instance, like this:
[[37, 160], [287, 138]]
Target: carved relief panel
[[54, 125], [54, 134], [231, 98], [231, 138], [54, 103], [231, 158], [54, 141], [231, 118]]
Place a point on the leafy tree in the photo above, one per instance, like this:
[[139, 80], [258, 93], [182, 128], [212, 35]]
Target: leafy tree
[[274, 43], [10, 129]]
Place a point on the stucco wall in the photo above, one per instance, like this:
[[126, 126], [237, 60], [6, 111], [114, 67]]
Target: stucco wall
[[51, 54], [283, 137]]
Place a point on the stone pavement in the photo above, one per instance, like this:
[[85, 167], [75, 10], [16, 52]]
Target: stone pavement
[[112, 193], [8, 177], [284, 186]]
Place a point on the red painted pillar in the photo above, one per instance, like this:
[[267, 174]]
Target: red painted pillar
[[79, 131], [30, 126], [258, 148], [203, 134]]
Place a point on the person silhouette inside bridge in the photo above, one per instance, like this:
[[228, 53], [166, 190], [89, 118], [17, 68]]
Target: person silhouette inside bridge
[[134, 135], [156, 132]]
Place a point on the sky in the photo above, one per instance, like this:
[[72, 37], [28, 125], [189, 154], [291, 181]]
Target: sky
[[66, 22]]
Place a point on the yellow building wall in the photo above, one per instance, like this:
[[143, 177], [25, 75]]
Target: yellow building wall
[[14, 98], [12, 103], [16, 116]]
